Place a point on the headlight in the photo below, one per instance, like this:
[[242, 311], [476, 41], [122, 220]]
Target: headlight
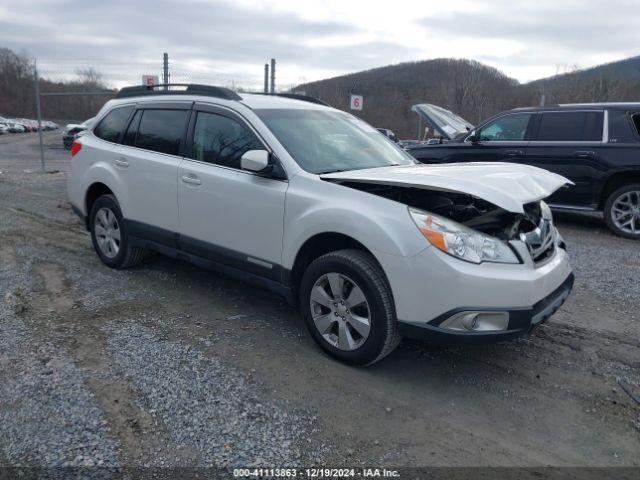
[[460, 241]]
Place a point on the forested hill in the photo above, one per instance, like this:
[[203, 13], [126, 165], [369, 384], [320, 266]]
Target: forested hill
[[469, 88]]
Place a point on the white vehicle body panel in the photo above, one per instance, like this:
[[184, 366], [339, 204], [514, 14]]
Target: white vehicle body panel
[[315, 207], [151, 180], [506, 185], [431, 283], [232, 209]]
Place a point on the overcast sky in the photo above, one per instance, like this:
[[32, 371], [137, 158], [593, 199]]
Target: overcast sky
[[220, 41]]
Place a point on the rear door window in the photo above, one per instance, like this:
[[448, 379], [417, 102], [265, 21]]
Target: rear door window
[[130, 135], [570, 127], [161, 130], [111, 126]]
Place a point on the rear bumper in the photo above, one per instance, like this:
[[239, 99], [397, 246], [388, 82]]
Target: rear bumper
[[521, 321]]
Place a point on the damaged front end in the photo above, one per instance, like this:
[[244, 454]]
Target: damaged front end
[[471, 228]]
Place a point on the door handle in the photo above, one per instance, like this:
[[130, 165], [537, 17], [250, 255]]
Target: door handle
[[121, 162], [584, 154], [513, 153], [191, 179]]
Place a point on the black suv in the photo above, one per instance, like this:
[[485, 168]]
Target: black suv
[[596, 146]]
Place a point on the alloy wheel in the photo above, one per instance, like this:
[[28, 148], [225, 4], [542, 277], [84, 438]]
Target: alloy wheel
[[625, 212], [107, 231], [340, 311]]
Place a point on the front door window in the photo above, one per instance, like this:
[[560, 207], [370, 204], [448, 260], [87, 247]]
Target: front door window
[[510, 128]]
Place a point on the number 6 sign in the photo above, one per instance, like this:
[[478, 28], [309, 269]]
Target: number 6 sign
[[356, 102]]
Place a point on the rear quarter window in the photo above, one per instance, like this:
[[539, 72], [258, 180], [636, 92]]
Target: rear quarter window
[[111, 126]]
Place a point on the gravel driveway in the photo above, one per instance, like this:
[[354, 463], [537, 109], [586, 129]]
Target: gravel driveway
[[169, 365]]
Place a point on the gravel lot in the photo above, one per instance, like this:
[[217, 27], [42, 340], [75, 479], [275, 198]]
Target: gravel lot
[[169, 365]]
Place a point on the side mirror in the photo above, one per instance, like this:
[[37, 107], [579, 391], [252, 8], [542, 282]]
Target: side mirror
[[254, 160], [474, 137], [261, 162]]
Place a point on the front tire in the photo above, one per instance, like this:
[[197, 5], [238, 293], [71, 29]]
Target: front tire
[[622, 211], [110, 236], [347, 304]]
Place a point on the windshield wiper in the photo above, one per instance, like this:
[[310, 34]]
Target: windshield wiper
[[334, 170], [337, 170]]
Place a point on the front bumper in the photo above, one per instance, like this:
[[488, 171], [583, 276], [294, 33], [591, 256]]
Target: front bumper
[[521, 321]]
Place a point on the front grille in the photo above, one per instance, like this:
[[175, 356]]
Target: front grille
[[540, 241]]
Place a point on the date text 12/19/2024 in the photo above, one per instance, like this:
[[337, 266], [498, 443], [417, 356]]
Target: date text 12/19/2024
[[315, 473]]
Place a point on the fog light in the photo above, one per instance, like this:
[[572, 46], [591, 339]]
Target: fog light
[[475, 321], [470, 321]]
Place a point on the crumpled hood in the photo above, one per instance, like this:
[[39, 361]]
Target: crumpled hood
[[506, 185]]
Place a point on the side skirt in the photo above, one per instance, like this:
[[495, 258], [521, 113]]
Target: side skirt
[[244, 275], [573, 208]]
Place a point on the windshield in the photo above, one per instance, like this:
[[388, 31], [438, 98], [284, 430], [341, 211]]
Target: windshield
[[324, 141]]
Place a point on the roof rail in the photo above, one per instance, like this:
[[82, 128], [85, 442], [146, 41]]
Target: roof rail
[[597, 104], [191, 89], [298, 96]]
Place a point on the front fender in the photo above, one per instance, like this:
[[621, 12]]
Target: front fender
[[314, 207]]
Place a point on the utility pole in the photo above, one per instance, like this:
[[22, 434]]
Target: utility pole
[[266, 78], [39, 113], [165, 70], [273, 75]]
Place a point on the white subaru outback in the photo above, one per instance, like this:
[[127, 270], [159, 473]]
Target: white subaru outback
[[315, 204]]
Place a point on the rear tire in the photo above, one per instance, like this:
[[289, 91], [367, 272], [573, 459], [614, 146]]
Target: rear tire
[[110, 236], [622, 211], [357, 323]]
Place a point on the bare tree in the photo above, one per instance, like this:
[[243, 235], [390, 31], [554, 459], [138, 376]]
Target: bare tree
[[17, 92]]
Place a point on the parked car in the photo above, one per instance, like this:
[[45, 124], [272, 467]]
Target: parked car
[[11, 126], [389, 134], [371, 245], [16, 127], [596, 146], [29, 125], [72, 131], [22, 127], [4, 128]]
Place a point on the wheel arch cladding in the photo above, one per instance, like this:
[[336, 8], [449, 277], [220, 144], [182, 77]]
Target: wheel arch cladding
[[616, 181], [95, 191]]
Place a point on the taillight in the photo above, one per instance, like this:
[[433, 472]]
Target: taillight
[[75, 147]]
